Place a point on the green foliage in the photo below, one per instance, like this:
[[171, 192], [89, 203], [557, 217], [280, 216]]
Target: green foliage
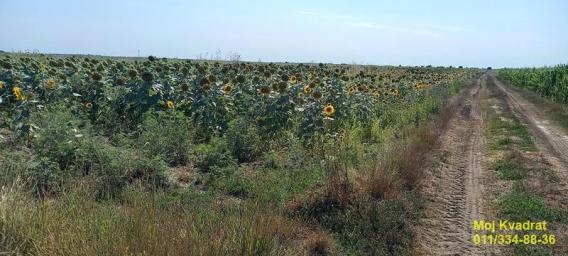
[[214, 154], [521, 206], [44, 177], [111, 168], [509, 169], [243, 140], [549, 82], [168, 136]]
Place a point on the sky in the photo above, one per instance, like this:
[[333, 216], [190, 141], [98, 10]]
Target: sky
[[477, 33]]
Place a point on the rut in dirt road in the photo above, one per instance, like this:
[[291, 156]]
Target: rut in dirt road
[[454, 188]]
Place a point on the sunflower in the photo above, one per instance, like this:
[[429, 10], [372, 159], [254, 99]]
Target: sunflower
[[184, 87], [97, 76], [132, 73], [89, 105], [264, 89], [18, 93], [317, 95], [328, 110], [351, 90], [120, 81], [293, 79], [169, 104], [228, 87], [147, 76], [282, 86], [307, 89], [211, 78], [50, 84], [1, 85]]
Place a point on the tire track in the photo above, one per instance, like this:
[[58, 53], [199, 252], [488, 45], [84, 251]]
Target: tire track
[[454, 189]]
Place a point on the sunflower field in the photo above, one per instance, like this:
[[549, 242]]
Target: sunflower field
[[210, 145], [550, 82], [114, 95]]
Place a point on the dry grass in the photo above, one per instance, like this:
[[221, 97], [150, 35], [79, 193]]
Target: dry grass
[[78, 225]]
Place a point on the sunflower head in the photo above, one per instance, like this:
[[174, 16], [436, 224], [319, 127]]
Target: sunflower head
[[293, 79], [228, 87], [211, 78], [18, 93], [169, 104], [328, 110], [148, 76], [120, 81], [264, 89], [184, 87], [282, 86], [317, 95], [132, 73], [97, 76], [50, 84], [88, 105], [185, 70], [307, 89], [206, 87], [1, 85]]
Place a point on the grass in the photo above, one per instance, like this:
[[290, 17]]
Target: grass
[[76, 224], [523, 206], [510, 131], [510, 169]]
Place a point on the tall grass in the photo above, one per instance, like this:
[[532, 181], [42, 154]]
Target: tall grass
[[77, 224]]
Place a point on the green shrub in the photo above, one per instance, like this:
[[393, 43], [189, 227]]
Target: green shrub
[[58, 136], [167, 135], [243, 140], [112, 167], [207, 156], [44, 176]]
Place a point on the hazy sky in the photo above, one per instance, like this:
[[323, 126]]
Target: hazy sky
[[459, 32]]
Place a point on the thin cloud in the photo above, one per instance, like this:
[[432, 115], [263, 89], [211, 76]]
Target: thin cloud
[[349, 20], [402, 29], [324, 15]]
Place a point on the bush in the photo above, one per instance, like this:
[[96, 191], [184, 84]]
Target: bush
[[44, 176], [167, 135], [243, 140], [112, 167], [210, 155], [59, 136]]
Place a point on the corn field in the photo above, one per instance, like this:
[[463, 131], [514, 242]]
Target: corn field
[[550, 82]]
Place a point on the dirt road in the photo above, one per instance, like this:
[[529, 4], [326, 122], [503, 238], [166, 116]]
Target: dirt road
[[454, 187], [458, 187], [551, 140]]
